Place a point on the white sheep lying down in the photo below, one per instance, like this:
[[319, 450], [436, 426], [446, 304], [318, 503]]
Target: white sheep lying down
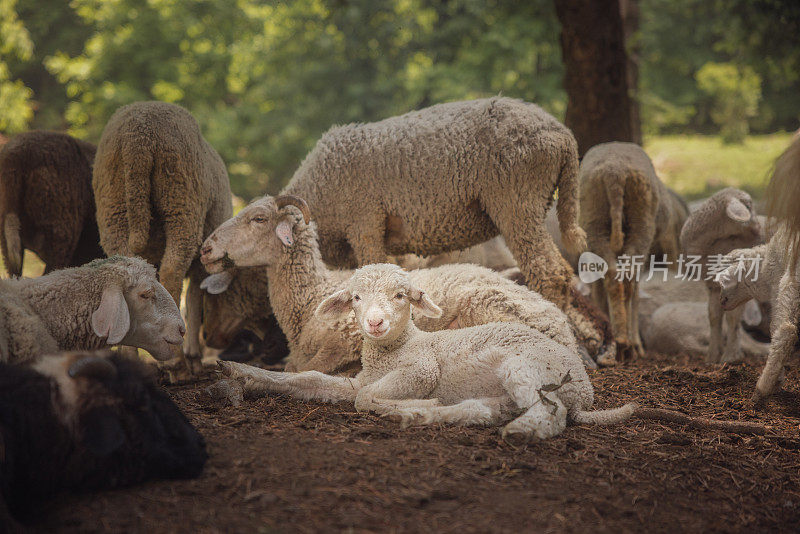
[[480, 375]]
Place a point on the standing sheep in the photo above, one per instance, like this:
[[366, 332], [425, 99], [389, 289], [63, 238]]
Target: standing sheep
[[160, 190], [106, 302], [46, 201], [469, 376], [626, 210], [445, 178], [723, 222], [268, 233]]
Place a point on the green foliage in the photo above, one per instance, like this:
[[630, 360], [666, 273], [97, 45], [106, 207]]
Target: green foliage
[[735, 92], [15, 43]]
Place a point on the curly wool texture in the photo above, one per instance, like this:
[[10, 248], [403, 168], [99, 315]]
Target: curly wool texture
[[53, 312], [626, 210], [445, 178], [299, 280], [161, 189], [46, 201]]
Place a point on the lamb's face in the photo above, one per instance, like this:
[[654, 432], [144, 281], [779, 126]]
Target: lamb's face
[[733, 287], [381, 303], [256, 236], [381, 296]]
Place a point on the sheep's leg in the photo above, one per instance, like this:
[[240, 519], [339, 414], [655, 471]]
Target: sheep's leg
[[522, 379], [784, 336], [487, 411], [194, 319], [733, 346], [715, 321], [618, 316], [632, 299], [408, 383], [599, 295], [367, 243], [308, 385]]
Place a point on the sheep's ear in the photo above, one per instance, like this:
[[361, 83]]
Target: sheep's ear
[[217, 283], [284, 232], [737, 211], [111, 319], [752, 313], [422, 301], [336, 304]]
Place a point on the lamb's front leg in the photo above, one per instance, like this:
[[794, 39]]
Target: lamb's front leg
[[784, 336], [308, 385], [414, 383], [487, 411]]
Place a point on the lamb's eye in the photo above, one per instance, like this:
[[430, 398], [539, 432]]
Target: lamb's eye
[[356, 298], [259, 220], [400, 296]]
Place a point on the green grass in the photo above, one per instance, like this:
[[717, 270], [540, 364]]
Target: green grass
[[695, 166]]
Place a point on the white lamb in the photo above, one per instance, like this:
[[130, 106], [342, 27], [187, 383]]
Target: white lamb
[[481, 375]]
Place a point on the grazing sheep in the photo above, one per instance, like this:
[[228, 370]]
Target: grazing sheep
[[277, 237], [160, 190], [106, 302], [46, 202], [723, 222], [444, 178], [626, 210], [85, 422], [480, 375]]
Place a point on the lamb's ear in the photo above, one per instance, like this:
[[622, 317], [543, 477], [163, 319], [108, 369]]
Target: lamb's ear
[[284, 232], [737, 211], [336, 304], [423, 302], [111, 319], [215, 284]]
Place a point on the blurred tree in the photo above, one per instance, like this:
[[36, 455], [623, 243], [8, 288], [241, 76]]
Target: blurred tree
[[16, 108], [599, 81], [734, 92]]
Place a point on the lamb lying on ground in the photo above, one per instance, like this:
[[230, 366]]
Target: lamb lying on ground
[[286, 246], [481, 375], [106, 302]]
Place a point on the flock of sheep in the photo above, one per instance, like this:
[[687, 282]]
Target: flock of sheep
[[485, 336]]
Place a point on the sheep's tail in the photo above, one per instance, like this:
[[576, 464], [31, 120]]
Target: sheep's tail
[[605, 417], [783, 197], [10, 200], [138, 164], [615, 191], [572, 235]]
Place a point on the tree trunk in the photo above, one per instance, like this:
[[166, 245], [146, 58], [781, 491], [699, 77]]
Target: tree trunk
[[601, 76]]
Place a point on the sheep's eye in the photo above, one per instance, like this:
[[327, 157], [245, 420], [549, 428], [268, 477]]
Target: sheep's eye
[[147, 293], [259, 220], [356, 298], [400, 296]]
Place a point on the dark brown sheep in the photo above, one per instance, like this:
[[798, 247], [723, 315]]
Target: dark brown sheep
[[46, 202]]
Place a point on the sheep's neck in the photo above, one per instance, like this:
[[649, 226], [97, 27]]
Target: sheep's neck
[[66, 307], [381, 356], [294, 284]]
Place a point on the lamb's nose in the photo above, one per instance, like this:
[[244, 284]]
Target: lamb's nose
[[375, 323]]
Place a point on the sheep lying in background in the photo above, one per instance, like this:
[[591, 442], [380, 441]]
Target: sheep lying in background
[[493, 254], [723, 222], [84, 422], [106, 302], [46, 201], [448, 177], [160, 190], [626, 210], [278, 238], [480, 375]]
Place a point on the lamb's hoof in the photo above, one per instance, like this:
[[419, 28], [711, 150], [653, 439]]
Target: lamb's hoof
[[408, 417], [225, 367]]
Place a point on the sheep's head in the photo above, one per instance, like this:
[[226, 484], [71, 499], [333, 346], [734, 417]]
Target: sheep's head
[[256, 236], [733, 287], [135, 309], [128, 426], [381, 296], [739, 215]]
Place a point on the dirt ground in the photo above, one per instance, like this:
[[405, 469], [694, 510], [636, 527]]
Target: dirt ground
[[280, 465]]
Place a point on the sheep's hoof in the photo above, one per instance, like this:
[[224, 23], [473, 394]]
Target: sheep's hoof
[[225, 367], [758, 401], [194, 364]]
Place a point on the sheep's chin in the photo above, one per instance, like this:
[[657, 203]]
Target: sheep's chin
[[376, 335]]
